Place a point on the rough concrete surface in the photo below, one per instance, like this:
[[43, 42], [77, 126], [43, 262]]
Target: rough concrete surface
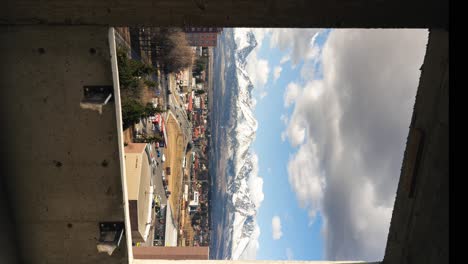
[[420, 222], [251, 13], [63, 162]]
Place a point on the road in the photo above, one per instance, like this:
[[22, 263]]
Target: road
[[179, 111], [176, 109], [156, 178]]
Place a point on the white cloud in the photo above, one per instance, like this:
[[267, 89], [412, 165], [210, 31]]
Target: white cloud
[[284, 119], [313, 57], [307, 71], [276, 227], [277, 73], [289, 254], [299, 41], [263, 94], [254, 102], [256, 190], [305, 177], [260, 34], [350, 129], [284, 136], [255, 183], [285, 59], [257, 69], [314, 50], [292, 91], [296, 130]]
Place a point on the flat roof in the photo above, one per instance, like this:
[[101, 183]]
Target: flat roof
[[135, 148], [138, 178]]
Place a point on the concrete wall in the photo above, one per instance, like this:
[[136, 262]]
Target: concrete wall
[[62, 162], [133, 169], [252, 13], [420, 221], [145, 195]]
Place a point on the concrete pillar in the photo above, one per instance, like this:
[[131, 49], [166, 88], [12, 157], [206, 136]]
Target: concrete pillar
[[250, 13], [419, 230], [62, 169]]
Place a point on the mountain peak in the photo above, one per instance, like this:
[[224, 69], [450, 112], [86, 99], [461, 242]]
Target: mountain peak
[[247, 44], [238, 200]]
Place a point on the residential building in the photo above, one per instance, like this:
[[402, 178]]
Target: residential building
[[202, 36], [196, 102]]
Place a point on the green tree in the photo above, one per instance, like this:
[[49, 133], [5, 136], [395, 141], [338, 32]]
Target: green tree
[[149, 110], [159, 110], [131, 71], [200, 65], [132, 111], [150, 139], [150, 83], [199, 92]]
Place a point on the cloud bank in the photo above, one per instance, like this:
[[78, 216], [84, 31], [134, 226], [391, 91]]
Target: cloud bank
[[349, 130]]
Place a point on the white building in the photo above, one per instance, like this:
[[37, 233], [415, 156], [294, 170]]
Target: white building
[[140, 190], [196, 102]]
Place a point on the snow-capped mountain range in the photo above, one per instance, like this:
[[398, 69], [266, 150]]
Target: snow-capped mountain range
[[242, 203]]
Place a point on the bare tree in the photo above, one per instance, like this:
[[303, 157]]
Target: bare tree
[[171, 48], [181, 55]]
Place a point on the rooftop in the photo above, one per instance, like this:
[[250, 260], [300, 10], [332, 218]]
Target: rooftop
[[140, 190]]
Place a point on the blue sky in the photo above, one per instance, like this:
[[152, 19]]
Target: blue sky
[[333, 110], [303, 240]]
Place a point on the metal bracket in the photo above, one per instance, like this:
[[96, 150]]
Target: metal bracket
[[110, 235], [95, 97], [98, 94]]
